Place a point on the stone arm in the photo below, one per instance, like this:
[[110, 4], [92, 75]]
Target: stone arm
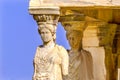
[[34, 65], [64, 60]]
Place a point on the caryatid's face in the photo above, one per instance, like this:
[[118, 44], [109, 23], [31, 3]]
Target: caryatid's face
[[75, 40], [46, 35], [47, 32]]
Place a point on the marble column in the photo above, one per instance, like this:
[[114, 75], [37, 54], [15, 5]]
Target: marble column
[[91, 42], [117, 58], [103, 38]]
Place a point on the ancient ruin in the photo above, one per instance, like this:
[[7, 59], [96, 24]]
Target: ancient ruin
[[99, 20]]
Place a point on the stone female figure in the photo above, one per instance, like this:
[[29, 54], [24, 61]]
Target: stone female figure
[[51, 60], [80, 61]]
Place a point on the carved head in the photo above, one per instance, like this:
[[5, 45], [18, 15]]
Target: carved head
[[75, 39], [47, 32]]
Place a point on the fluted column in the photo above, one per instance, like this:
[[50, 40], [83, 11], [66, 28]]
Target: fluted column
[[91, 42]]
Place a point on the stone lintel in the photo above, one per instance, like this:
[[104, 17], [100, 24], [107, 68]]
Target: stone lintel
[[89, 7], [75, 3]]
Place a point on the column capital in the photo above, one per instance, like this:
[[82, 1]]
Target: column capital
[[45, 14], [74, 25]]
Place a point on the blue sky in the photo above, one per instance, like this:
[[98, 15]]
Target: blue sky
[[19, 39]]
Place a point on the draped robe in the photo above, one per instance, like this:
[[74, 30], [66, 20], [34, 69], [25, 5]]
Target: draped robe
[[80, 66], [50, 64]]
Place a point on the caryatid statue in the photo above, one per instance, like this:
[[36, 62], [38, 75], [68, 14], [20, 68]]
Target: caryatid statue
[[51, 61], [80, 60]]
